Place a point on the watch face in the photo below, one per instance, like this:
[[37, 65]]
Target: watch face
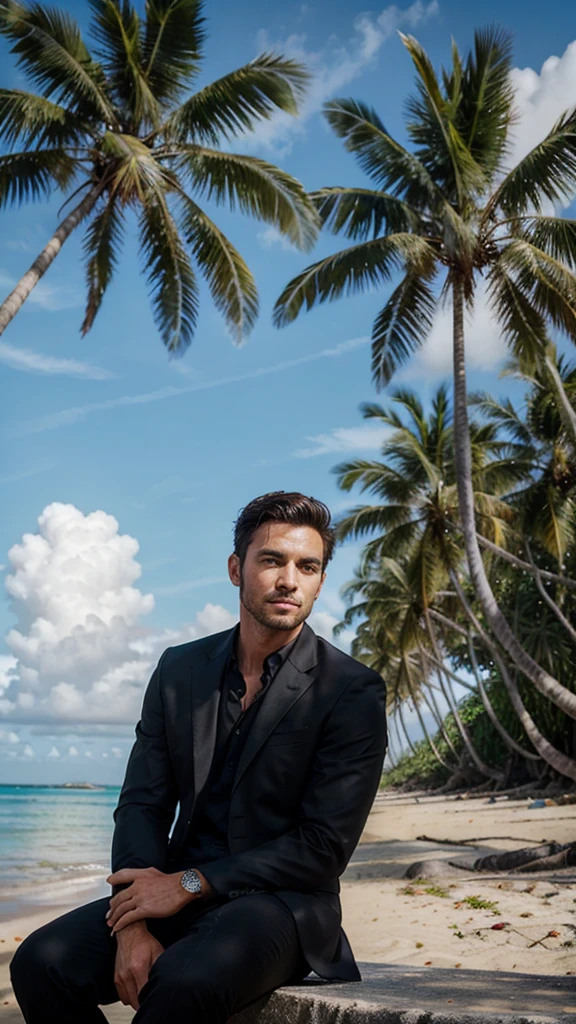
[[191, 881]]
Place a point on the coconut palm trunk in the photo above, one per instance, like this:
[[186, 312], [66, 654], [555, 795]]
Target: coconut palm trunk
[[560, 762], [30, 279], [542, 680], [565, 408]]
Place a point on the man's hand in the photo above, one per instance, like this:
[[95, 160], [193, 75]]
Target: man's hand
[[137, 951], [152, 893]]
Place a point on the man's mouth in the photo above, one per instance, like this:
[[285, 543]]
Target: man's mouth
[[281, 602]]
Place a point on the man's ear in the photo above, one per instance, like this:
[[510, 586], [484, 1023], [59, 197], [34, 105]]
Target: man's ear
[[234, 570]]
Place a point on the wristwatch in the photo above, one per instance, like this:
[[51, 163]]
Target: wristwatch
[[191, 881]]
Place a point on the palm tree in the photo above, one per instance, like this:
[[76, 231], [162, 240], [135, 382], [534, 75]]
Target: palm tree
[[449, 212], [118, 126]]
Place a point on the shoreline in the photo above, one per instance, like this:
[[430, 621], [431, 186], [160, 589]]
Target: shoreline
[[524, 923]]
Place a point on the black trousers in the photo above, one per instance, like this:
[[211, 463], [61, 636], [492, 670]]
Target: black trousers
[[218, 958]]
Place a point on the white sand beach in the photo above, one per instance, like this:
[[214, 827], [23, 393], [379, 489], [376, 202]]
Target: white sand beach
[[503, 923]]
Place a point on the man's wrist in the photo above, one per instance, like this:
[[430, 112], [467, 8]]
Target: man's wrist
[[205, 887], [131, 930]]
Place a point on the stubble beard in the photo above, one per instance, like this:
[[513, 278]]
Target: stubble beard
[[265, 615]]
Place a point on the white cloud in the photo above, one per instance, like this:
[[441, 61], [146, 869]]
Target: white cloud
[[9, 736], [36, 362], [79, 651], [28, 751], [541, 97], [485, 347], [88, 753], [45, 296], [116, 752], [66, 417], [72, 752], [345, 439], [271, 237], [333, 67], [54, 753]]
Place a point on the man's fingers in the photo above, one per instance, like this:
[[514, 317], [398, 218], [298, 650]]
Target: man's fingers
[[126, 894], [128, 918], [115, 912], [124, 875]]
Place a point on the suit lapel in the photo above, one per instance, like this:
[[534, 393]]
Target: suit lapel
[[206, 690], [286, 688]]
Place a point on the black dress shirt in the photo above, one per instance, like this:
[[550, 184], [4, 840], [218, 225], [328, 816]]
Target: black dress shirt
[[209, 841]]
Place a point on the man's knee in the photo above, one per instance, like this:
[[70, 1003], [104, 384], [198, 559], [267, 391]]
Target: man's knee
[[40, 951]]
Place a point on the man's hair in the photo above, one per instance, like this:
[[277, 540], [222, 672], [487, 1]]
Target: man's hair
[[284, 507]]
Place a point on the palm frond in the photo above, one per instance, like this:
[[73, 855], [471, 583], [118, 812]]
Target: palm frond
[[34, 174], [556, 236], [231, 284], [520, 322], [362, 213], [35, 122], [486, 98], [548, 171], [102, 246], [256, 187], [50, 49], [173, 286], [346, 272], [236, 102], [441, 148], [172, 46], [394, 168], [117, 31], [403, 325], [549, 284], [365, 519]]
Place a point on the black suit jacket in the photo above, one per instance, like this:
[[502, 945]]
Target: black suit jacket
[[303, 789]]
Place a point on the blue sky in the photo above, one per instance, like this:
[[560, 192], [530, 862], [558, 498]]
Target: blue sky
[[173, 449]]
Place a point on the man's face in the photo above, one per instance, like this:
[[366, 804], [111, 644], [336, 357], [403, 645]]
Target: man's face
[[281, 576]]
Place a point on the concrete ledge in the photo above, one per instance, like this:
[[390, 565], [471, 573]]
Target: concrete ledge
[[393, 994]]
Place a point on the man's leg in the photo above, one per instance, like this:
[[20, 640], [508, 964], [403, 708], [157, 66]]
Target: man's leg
[[63, 971], [233, 953]]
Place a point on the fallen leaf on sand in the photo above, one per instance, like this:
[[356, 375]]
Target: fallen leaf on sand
[[427, 963], [553, 935], [498, 927], [457, 965], [418, 945], [17, 938]]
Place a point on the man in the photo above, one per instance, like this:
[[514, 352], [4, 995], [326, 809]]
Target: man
[[271, 741]]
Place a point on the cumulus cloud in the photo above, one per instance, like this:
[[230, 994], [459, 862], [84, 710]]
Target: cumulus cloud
[[54, 753], [72, 751], [333, 67], [369, 436], [80, 652], [541, 97]]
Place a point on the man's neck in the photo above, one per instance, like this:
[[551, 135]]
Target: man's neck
[[256, 642]]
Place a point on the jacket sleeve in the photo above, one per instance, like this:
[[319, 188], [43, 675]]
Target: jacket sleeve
[[344, 778], [148, 798]]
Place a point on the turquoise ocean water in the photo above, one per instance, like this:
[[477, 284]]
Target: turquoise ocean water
[[54, 845]]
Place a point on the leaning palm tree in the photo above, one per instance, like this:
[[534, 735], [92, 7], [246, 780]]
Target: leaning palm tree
[[448, 213], [116, 129]]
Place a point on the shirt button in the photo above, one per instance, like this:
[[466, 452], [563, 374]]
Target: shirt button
[[237, 732], [230, 764]]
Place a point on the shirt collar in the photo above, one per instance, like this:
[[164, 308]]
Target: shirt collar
[[274, 660]]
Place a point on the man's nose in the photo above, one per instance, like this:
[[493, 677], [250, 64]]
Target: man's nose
[[287, 578]]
